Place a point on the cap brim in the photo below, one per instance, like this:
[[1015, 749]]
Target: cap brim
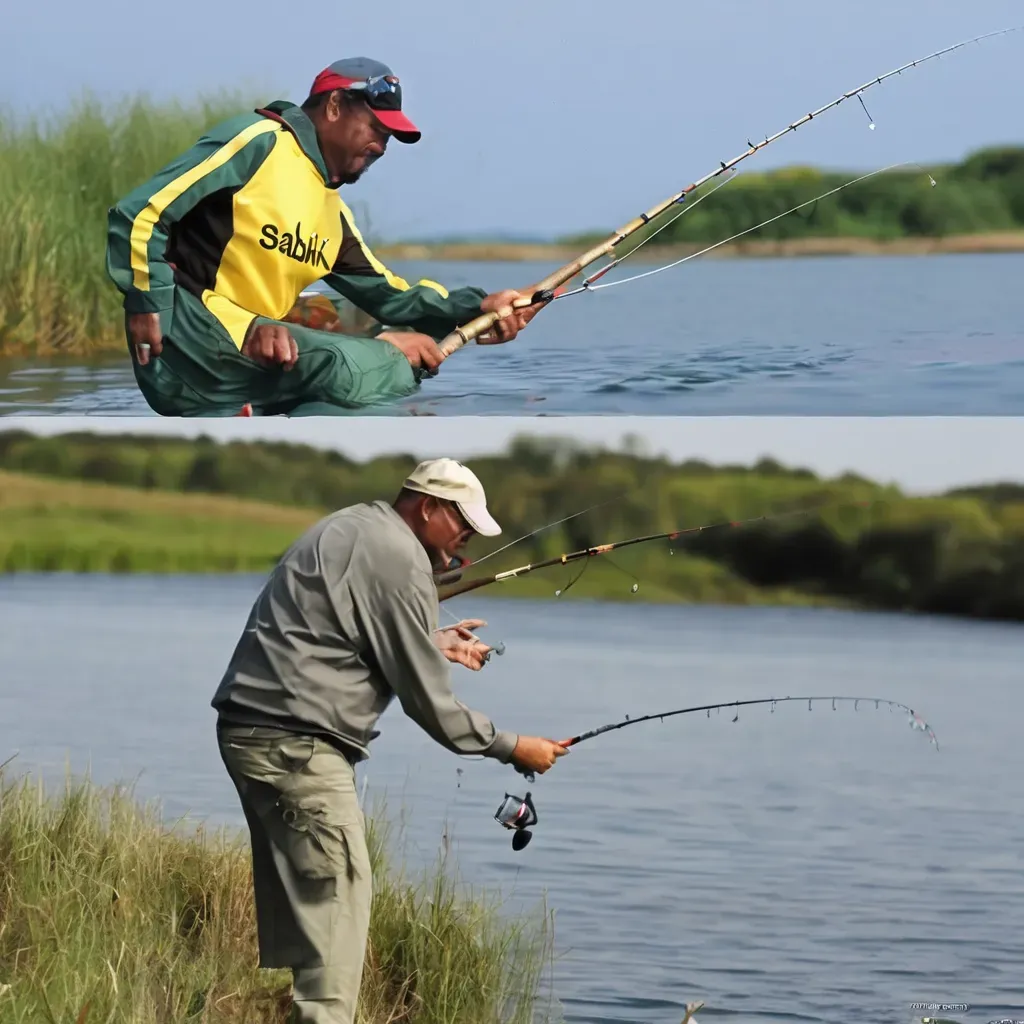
[[399, 125], [480, 519]]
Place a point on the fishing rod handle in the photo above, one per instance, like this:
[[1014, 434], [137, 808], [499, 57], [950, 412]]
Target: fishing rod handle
[[482, 324], [543, 292]]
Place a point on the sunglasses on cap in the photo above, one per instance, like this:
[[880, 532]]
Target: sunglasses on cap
[[377, 91]]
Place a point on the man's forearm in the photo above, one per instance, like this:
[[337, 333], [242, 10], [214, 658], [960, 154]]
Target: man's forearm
[[418, 307]]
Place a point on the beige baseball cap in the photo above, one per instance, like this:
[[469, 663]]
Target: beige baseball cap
[[452, 481]]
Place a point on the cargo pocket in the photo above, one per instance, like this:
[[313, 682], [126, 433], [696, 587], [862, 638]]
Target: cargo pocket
[[267, 755], [316, 847]]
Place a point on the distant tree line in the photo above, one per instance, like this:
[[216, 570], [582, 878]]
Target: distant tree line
[[959, 553], [984, 193]]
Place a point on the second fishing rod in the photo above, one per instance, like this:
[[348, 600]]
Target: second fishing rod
[[450, 583]]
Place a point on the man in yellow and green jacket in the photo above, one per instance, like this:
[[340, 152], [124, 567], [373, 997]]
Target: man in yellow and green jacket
[[214, 251]]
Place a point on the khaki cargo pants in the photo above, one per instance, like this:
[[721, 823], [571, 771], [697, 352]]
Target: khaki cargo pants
[[311, 868]]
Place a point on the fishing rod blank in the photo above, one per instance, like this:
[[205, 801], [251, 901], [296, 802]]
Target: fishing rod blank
[[545, 290], [916, 721], [519, 814], [452, 579]]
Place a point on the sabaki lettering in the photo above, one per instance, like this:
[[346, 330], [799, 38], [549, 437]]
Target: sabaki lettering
[[294, 246]]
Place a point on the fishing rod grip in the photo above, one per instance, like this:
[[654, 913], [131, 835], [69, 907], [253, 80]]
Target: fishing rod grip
[[482, 324], [544, 292]]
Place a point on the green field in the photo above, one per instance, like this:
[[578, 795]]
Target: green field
[[58, 178], [108, 914], [132, 504]]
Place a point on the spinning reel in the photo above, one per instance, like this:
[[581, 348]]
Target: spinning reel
[[517, 814]]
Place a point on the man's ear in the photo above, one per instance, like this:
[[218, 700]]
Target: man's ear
[[334, 104]]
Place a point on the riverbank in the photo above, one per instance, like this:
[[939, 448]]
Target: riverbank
[[49, 525], [108, 913], [558, 254]]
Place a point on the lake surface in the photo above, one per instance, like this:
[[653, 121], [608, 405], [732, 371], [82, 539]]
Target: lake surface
[[936, 335], [807, 866]]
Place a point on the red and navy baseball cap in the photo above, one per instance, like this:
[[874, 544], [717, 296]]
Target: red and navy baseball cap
[[377, 83]]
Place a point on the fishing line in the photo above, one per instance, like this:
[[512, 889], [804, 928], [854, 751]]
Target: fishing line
[[499, 648], [453, 578], [573, 581], [457, 586], [519, 814], [544, 291], [687, 207], [589, 286], [541, 529], [871, 120], [625, 572]]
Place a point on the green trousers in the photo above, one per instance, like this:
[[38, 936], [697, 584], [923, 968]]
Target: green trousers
[[310, 865], [200, 372]]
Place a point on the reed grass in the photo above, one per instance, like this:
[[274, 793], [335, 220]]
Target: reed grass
[[58, 177], [108, 914]]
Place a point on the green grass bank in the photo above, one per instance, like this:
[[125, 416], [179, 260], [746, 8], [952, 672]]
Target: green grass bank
[[124, 503], [59, 176], [109, 914]]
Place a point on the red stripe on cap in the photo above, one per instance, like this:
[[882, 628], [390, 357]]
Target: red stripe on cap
[[328, 80]]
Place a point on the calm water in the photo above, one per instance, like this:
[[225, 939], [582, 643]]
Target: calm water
[[795, 865], [941, 335]]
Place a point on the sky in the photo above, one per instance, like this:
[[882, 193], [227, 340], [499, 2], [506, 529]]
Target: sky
[[550, 117], [920, 454]]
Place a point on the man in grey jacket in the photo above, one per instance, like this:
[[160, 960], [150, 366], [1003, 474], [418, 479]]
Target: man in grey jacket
[[346, 622]]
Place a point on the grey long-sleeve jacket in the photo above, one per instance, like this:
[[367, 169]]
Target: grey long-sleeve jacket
[[344, 625]]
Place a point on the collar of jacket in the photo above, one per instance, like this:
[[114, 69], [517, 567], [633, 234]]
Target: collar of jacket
[[295, 120]]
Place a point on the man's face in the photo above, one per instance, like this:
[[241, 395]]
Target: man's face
[[445, 532], [351, 136]]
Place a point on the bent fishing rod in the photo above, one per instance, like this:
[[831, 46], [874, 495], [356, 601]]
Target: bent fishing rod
[[519, 814], [545, 291], [451, 579]]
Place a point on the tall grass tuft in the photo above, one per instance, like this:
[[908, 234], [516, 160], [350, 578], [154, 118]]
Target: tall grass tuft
[[57, 180], [109, 915]]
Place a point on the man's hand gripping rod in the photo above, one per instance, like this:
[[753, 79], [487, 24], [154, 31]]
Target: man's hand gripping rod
[[543, 293]]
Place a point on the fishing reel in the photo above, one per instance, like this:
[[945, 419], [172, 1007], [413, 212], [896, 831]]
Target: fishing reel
[[518, 814]]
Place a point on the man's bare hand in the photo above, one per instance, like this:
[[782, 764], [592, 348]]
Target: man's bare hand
[[146, 335], [271, 345], [420, 349], [458, 644], [462, 629], [512, 320], [534, 754]]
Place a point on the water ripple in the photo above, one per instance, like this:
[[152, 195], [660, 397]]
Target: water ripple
[[732, 344]]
